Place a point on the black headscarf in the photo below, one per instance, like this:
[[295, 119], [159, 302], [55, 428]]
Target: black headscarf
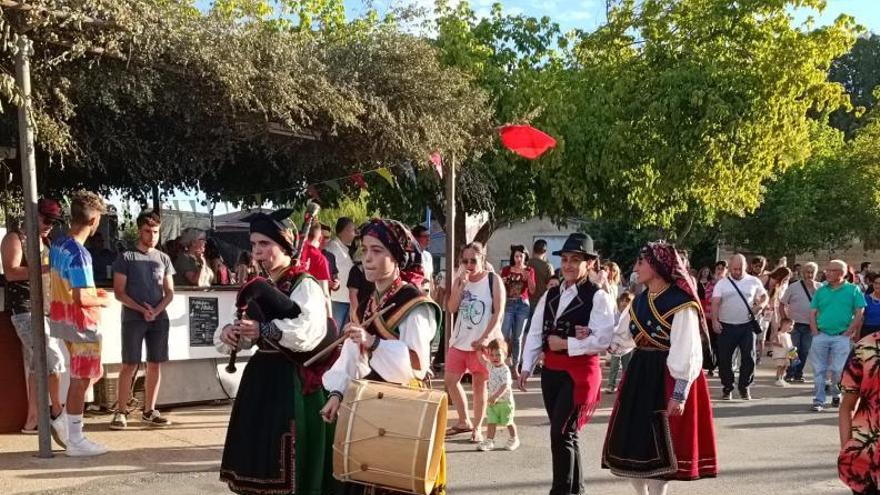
[[274, 226]]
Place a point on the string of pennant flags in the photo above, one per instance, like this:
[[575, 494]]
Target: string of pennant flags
[[357, 179], [523, 140]]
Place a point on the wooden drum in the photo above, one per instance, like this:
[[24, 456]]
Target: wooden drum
[[390, 436]]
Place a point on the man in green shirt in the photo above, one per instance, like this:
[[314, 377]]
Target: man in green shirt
[[835, 316]]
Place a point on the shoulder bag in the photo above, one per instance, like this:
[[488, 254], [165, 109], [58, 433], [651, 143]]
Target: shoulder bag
[[756, 327]]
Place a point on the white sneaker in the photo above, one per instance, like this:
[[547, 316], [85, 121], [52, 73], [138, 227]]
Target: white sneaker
[[781, 383], [512, 444], [119, 421], [85, 448], [477, 437], [486, 445], [59, 429]]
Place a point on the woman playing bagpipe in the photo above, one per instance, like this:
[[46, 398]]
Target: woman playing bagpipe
[[661, 427], [396, 346], [276, 442]]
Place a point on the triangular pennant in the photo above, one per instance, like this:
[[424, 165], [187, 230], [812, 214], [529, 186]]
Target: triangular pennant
[[386, 174], [258, 198], [525, 141], [437, 161], [192, 204], [176, 204], [359, 181]]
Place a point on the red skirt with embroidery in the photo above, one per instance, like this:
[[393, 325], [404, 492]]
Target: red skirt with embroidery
[[643, 441]]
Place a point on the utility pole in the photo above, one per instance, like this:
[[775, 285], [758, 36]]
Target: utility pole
[[24, 50], [448, 323], [157, 199]]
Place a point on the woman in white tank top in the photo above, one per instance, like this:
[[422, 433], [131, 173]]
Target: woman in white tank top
[[477, 296]]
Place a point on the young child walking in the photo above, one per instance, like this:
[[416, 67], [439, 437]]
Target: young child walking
[[782, 350], [619, 363], [501, 408]]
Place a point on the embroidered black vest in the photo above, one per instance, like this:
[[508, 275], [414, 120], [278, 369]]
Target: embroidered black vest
[[407, 298], [651, 316], [577, 312]]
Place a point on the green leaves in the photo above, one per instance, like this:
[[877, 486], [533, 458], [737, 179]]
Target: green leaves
[[688, 107], [859, 73], [241, 100], [824, 203]]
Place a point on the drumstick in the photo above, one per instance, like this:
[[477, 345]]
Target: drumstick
[[341, 339]]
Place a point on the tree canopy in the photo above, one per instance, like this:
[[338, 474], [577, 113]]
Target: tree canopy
[[824, 203], [673, 117], [859, 72], [518, 61], [235, 102], [680, 111]]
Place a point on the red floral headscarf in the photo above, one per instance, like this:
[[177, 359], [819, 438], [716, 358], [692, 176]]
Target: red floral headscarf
[[665, 260], [401, 244]]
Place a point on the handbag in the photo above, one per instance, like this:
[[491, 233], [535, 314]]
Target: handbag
[[756, 327]]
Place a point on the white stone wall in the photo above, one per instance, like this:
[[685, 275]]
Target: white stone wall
[[525, 233]]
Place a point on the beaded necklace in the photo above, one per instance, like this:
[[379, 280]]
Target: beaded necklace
[[373, 307]]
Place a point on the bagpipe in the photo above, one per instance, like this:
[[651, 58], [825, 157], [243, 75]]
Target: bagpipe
[[259, 300]]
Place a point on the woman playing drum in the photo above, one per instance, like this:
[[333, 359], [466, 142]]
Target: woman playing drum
[[396, 346]]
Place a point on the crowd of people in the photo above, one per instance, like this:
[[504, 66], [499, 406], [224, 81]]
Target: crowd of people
[[666, 329], [829, 322], [143, 284]]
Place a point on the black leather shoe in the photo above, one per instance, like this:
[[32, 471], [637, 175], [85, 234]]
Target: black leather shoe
[[745, 394]]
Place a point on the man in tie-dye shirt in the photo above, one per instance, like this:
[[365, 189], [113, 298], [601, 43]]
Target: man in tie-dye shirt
[[75, 310]]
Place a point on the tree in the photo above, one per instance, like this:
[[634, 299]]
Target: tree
[[825, 203], [859, 73], [680, 111], [516, 60], [237, 102]]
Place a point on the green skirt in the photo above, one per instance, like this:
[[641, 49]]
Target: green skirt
[[276, 442]]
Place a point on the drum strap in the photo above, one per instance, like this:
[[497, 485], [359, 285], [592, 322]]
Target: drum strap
[[388, 328]]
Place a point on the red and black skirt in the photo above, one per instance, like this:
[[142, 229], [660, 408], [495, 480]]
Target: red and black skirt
[[643, 441]]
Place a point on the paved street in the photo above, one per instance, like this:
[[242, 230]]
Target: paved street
[[771, 445]]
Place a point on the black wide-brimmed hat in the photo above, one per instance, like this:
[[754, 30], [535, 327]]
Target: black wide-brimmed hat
[[580, 244]]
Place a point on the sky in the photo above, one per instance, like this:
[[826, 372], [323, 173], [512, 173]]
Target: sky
[[589, 14]]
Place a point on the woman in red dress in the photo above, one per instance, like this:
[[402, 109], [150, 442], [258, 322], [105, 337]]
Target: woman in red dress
[[661, 428]]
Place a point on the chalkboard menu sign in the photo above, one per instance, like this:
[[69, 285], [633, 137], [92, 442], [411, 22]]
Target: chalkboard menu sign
[[203, 320]]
